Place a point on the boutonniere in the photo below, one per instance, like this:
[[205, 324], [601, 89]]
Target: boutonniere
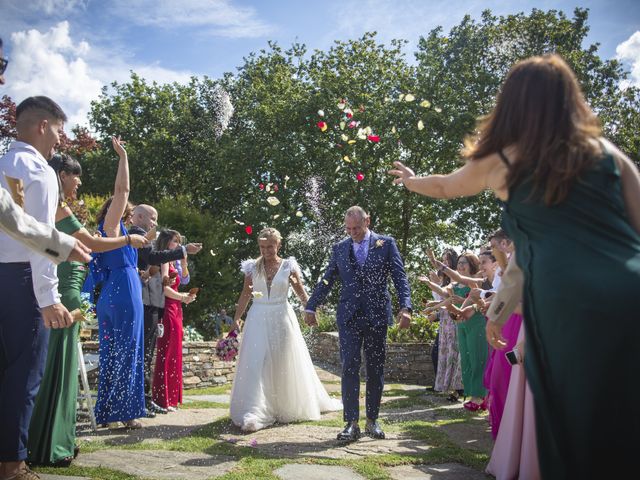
[[379, 243]]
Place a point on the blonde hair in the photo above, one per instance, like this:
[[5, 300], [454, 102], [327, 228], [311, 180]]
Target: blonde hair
[[267, 233]]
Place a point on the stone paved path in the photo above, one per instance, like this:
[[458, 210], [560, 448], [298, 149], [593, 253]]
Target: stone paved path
[[160, 464], [296, 442]]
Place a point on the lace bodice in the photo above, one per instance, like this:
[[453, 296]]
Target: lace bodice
[[279, 291]]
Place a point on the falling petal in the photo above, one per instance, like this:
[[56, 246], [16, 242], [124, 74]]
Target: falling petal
[[322, 126], [257, 294], [425, 103], [351, 142], [273, 201], [401, 97], [362, 134], [348, 112], [299, 214], [216, 189], [275, 187], [344, 137], [275, 217], [248, 229], [438, 109], [342, 125], [321, 113], [420, 125], [360, 176], [238, 222], [373, 138], [338, 168], [346, 159], [341, 105], [325, 281], [409, 97], [353, 124], [393, 129], [212, 253]]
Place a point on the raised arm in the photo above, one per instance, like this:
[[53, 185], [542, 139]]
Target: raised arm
[[471, 179], [170, 292], [120, 191]]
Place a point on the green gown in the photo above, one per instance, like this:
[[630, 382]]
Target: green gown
[[52, 432], [474, 349], [581, 261]]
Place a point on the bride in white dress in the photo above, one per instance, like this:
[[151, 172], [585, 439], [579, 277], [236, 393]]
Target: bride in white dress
[[275, 380]]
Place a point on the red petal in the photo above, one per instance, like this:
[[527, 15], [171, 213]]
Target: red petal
[[374, 138], [321, 124], [261, 186], [360, 176], [275, 187], [349, 114], [248, 229]]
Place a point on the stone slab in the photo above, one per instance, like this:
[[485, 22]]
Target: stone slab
[[222, 398], [295, 471], [300, 441], [162, 427], [445, 471], [160, 464]]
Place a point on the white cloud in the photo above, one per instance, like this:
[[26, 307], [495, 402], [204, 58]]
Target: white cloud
[[219, 17], [71, 72], [629, 51], [406, 20], [58, 6]]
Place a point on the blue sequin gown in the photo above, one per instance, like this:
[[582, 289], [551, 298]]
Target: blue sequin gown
[[120, 319]]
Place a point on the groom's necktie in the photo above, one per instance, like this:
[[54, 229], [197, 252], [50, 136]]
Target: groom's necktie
[[361, 252]]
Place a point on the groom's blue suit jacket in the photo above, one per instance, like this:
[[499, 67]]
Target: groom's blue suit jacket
[[364, 288]]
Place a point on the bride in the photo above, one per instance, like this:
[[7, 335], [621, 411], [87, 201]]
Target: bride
[[275, 380]]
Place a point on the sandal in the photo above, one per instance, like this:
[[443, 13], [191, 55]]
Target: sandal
[[453, 398], [132, 425]]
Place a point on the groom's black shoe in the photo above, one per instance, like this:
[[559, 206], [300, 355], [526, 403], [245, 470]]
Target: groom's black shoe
[[351, 432], [373, 429]]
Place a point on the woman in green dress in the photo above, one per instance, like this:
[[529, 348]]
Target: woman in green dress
[[52, 431], [572, 207]]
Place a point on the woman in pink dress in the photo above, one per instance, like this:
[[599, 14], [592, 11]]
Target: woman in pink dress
[[515, 453], [167, 376]]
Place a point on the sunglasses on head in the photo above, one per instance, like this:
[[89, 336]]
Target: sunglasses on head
[[3, 64]]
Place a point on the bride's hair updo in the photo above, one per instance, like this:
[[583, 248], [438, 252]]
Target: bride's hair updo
[[267, 234]]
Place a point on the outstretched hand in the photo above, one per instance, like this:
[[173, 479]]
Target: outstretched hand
[[402, 172], [118, 146]]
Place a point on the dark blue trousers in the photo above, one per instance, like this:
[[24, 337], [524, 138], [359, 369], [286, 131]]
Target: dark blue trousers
[[23, 352], [354, 335]]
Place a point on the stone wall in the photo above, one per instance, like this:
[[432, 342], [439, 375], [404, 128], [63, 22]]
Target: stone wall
[[405, 362], [200, 365]]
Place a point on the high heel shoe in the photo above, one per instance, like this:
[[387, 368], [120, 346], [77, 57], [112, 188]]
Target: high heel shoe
[[471, 406]]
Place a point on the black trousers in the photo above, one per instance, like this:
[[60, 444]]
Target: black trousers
[[151, 317]]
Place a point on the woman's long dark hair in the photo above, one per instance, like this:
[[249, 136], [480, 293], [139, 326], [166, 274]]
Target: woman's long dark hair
[[165, 237], [541, 111]]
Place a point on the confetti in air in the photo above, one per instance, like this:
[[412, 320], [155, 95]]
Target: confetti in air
[[222, 108]]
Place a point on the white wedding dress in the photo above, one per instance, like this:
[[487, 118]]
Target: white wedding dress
[[275, 380]]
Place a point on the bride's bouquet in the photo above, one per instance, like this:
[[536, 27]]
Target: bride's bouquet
[[227, 348]]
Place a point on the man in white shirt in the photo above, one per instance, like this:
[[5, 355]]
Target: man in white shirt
[[32, 303], [42, 238]]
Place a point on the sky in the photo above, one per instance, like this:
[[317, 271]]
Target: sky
[[69, 49]]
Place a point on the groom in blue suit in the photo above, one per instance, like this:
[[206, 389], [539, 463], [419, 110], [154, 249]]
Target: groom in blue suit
[[363, 263]]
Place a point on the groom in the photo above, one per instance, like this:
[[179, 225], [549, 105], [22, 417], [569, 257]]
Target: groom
[[363, 263]]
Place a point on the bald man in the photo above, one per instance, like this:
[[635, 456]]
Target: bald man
[[145, 219]]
